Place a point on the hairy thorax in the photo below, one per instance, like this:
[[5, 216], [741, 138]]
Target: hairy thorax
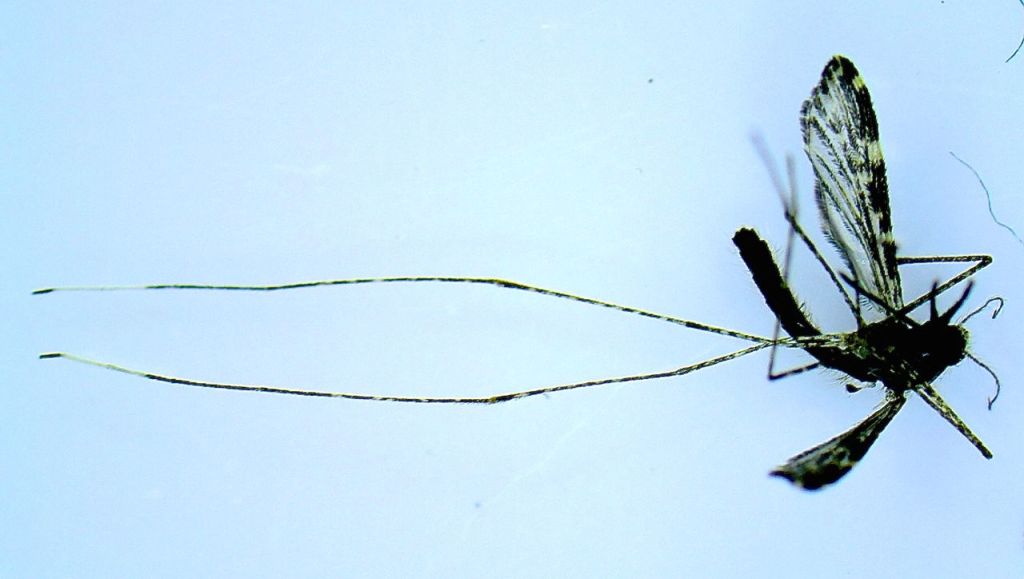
[[898, 355]]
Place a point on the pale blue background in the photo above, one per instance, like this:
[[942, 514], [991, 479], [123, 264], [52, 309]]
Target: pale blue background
[[586, 147]]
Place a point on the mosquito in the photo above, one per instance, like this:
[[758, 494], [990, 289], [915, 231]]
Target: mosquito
[[893, 349]]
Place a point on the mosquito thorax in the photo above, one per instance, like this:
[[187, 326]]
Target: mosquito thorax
[[901, 356]]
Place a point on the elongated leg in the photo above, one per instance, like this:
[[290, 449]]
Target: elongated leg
[[980, 262], [931, 396], [502, 283], [790, 206], [494, 399], [790, 213], [772, 375], [761, 342]]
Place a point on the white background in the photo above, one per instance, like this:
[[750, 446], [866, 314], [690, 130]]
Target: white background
[[584, 147]]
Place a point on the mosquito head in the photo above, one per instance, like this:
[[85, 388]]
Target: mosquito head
[[938, 348]]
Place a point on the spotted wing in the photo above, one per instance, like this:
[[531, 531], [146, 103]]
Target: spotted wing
[[829, 461], [841, 140]]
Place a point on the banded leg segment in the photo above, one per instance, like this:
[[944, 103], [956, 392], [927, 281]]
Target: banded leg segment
[[493, 399]]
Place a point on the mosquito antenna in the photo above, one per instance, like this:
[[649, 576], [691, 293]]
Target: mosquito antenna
[[791, 209], [933, 308], [982, 307], [495, 399]]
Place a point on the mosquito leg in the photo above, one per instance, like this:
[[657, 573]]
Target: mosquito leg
[[792, 371], [854, 388], [931, 396], [851, 303], [903, 313], [411, 399], [980, 262], [506, 284], [789, 208], [754, 250]]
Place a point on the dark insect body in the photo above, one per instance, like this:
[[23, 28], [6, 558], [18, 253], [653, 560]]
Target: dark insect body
[[891, 351], [841, 140]]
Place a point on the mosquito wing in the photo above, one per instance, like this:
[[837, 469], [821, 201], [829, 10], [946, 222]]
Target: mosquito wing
[[841, 140], [829, 461]]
